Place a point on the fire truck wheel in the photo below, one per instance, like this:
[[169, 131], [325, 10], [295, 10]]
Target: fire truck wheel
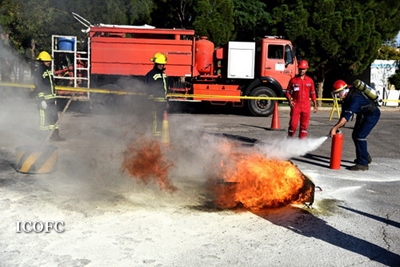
[[263, 107]]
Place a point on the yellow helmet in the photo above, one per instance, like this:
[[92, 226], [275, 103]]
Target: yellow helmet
[[159, 58], [44, 56]]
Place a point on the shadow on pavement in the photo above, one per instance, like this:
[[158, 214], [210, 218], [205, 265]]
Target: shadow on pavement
[[304, 223], [246, 140], [255, 126], [264, 128], [206, 108], [380, 219], [116, 104], [318, 160]]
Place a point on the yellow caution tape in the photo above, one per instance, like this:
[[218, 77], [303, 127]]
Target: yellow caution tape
[[21, 85], [121, 92], [95, 90], [227, 97], [73, 89]]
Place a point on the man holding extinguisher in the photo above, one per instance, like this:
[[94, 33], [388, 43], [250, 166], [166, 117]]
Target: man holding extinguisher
[[368, 114]]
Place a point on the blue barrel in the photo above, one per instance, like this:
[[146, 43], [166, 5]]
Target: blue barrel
[[65, 43]]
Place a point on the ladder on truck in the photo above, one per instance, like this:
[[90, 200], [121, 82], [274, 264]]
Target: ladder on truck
[[70, 66]]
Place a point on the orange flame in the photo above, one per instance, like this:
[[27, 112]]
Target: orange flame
[[258, 182], [143, 160]]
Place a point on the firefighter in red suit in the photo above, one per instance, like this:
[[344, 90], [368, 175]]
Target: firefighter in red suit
[[299, 91]]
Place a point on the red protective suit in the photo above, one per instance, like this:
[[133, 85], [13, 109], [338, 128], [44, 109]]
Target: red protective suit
[[300, 91]]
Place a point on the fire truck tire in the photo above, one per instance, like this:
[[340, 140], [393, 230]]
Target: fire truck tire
[[261, 108]]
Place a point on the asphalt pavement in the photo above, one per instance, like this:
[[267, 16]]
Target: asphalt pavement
[[112, 221]]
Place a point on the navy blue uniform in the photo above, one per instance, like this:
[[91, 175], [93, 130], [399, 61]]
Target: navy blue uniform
[[156, 79], [368, 115]]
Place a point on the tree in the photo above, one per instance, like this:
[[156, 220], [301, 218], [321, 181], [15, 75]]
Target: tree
[[39, 19], [29, 25], [19, 21], [250, 19], [331, 34], [336, 34], [139, 12], [34, 20], [105, 11], [215, 20], [173, 14], [395, 78], [388, 53], [211, 18]]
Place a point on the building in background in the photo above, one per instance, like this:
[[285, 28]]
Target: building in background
[[380, 71]]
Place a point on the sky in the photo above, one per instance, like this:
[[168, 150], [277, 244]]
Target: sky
[[398, 39]]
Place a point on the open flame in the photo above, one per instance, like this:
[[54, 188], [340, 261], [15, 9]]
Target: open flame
[[245, 176], [144, 160], [257, 182]]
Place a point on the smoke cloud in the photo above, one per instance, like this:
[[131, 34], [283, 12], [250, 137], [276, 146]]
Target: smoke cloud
[[90, 159], [286, 148]]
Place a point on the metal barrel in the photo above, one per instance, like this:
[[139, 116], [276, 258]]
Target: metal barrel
[[36, 159], [366, 89]]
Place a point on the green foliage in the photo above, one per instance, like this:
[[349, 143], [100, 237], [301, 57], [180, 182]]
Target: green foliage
[[330, 34], [388, 53], [215, 20], [39, 19], [11, 21], [251, 19], [388, 17], [212, 18], [333, 34], [173, 14], [105, 11], [139, 11], [395, 79]]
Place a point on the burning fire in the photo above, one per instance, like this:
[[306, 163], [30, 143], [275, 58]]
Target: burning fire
[[246, 177], [255, 181], [144, 160]]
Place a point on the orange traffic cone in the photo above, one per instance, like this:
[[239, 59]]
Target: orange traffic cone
[[165, 130], [275, 125]]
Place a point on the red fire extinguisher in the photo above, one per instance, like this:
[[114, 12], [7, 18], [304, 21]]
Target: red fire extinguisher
[[336, 150]]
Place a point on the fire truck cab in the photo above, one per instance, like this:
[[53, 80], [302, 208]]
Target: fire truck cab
[[241, 73]]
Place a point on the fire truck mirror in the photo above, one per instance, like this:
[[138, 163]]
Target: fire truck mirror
[[289, 55]]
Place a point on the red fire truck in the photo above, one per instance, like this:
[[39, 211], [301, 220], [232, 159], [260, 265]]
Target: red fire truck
[[240, 73]]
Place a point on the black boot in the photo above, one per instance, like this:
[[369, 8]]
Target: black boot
[[369, 159], [56, 136], [358, 167]]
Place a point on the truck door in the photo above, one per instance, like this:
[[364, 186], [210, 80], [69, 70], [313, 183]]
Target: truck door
[[275, 64]]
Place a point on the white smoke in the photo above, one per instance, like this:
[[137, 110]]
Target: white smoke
[[286, 148]]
